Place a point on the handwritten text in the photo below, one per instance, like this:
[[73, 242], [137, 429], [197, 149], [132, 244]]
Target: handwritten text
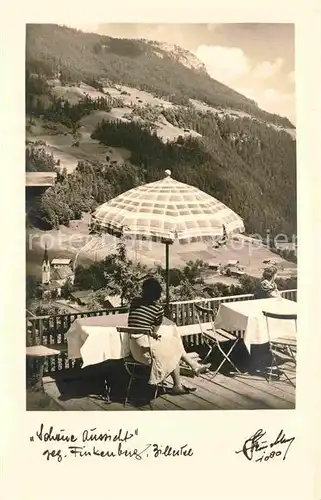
[[91, 443]]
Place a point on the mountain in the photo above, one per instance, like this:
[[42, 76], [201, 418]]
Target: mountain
[[152, 66], [178, 54], [125, 110]]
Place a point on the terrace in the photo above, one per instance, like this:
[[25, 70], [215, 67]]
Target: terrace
[[68, 387]]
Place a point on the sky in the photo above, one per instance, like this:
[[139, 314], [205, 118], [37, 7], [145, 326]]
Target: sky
[[255, 59]]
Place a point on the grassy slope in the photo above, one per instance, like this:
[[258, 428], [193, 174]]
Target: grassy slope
[[128, 62], [60, 142]]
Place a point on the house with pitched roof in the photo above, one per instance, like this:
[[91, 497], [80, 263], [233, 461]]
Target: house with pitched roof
[[55, 274]]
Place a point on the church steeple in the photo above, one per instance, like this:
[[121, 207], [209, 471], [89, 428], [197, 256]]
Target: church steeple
[[45, 255], [45, 275]]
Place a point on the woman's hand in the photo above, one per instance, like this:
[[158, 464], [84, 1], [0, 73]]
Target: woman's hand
[[155, 335]]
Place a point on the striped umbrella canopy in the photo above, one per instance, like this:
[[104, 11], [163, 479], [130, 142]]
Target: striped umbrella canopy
[[167, 211]]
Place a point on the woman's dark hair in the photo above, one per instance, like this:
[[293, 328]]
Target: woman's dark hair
[[151, 289], [269, 272]]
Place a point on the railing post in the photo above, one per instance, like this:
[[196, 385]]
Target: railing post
[[33, 333], [289, 294], [40, 331]]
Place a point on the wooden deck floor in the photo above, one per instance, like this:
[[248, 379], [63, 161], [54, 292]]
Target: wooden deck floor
[[237, 392]]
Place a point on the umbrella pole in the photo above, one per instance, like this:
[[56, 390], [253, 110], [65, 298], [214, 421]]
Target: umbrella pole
[[167, 278]]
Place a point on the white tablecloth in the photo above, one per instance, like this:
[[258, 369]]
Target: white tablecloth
[[96, 339], [248, 317]]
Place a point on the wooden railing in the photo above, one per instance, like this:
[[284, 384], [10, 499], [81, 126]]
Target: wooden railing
[[290, 294], [184, 312], [49, 330]]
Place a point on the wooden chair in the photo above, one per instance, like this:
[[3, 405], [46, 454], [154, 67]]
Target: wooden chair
[[281, 342], [213, 337], [131, 364]]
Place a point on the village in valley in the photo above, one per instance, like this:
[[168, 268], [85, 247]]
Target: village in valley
[[57, 287], [57, 284]]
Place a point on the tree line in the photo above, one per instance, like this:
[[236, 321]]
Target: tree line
[[38, 160], [41, 102], [259, 187], [89, 185]]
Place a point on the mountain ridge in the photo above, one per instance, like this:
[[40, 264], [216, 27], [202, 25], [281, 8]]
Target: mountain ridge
[[51, 48], [183, 56]]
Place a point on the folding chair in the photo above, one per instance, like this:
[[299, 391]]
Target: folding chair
[[212, 337], [281, 342], [131, 364]]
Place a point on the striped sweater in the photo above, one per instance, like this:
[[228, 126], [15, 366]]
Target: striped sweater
[[145, 315]]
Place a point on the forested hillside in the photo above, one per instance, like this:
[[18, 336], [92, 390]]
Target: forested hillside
[[231, 171], [88, 56], [244, 162]]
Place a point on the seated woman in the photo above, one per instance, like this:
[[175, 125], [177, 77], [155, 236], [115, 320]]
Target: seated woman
[[167, 350], [268, 287]]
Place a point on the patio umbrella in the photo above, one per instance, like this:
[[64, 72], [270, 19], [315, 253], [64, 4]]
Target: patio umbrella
[[167, 211]]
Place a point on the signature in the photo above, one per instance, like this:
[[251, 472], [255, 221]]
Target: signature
[[258, 449]]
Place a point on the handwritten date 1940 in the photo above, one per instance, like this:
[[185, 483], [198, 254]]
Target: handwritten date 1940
[[261, 450]]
